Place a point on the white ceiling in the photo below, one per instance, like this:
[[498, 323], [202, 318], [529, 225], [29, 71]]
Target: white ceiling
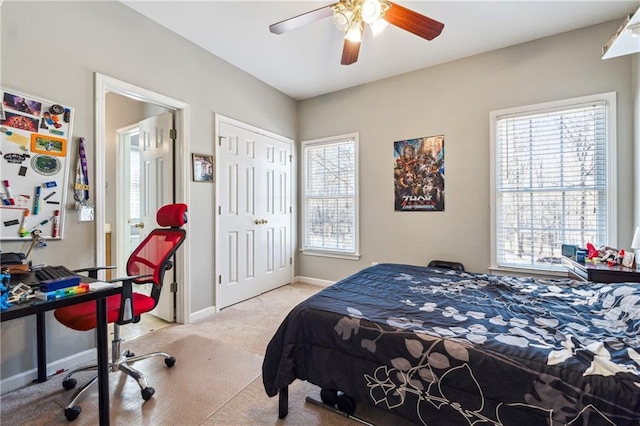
[[306, 62]]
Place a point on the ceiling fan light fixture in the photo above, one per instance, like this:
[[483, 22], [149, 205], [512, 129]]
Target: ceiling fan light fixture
[[342, 19], [378, 27], [371, 11], [635, 29], [354, 33]]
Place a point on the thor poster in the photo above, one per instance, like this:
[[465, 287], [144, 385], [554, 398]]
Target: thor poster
[[419, 174]]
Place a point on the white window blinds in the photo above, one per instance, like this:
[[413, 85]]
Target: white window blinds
[[330, 195], [551, 183], [134, 184]]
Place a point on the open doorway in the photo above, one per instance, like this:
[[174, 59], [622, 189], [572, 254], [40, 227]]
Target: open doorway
[[120, 105]]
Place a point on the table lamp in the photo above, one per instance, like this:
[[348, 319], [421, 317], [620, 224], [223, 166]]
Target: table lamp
[[635, 244]]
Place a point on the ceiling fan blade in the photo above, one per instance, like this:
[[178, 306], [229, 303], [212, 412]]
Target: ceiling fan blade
[[350, 52], [300, 20], [413, 22]]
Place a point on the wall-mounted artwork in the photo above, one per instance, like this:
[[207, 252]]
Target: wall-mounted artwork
[[419, 174], [202, 168]]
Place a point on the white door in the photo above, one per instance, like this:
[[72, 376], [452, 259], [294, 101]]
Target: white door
[[254, 230], [147, 186]]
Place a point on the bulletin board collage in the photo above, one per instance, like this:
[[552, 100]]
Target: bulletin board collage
[[35, 138]]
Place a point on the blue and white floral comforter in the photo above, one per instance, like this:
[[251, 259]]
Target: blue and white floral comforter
[[444, 347]]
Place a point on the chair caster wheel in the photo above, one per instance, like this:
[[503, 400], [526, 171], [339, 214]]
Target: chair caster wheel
[[72, 413], [147, 393], [346, 403], [69, 384], [170, 361], [328, 396]]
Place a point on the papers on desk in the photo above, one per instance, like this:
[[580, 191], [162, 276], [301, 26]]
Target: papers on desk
[[100, 285]]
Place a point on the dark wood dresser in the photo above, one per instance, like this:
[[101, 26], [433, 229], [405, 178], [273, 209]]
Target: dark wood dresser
[[600, 272]]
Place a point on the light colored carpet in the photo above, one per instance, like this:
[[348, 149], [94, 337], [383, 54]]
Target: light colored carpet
[[216, 380], [207, 374]]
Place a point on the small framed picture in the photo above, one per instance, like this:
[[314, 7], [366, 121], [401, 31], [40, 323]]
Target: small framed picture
[[627, 260], [202, 168]]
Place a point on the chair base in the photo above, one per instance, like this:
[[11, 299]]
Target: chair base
[[120, 361]]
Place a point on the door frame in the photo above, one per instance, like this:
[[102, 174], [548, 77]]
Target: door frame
[[103, 85], [123, 150], [218, 118]]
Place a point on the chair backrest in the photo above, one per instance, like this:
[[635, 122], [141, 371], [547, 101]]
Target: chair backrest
[[153, 255], [445, 264]]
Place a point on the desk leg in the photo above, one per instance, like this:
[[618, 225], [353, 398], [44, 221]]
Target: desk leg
[[103, 361], [41, 338]]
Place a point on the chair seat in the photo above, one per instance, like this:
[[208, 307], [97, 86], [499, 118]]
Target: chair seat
[[83, 317]]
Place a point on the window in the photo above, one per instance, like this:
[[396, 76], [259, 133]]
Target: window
[[330, 196], [134, 182], [552, 180]]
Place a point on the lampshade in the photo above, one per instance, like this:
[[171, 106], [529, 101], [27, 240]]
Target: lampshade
[[371, 10], [378, 26], [635, 244], [355, 32], [342, 19]]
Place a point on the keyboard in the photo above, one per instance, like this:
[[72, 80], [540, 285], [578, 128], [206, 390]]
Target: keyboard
[[53, 273]]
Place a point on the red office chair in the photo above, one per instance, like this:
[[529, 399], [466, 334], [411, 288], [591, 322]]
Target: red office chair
[[147, 264]]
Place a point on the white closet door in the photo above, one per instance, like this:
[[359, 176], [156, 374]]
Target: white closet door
[[254, 232]]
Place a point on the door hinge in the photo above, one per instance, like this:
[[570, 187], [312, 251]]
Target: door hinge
[[290, 158], [291, 261], [173, 134], [220, 140], [219, 209], [290, 209], [173, 288], [219, 279]]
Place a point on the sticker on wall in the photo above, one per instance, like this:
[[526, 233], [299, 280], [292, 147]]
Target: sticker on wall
[[45, 144], [19, 121], [419, 174], [45, 165], [21, 103], [15, 158]]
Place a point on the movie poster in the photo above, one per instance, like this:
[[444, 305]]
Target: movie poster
[[419, 174]]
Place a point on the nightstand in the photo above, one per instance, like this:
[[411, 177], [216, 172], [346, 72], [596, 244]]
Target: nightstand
[[600, 272]]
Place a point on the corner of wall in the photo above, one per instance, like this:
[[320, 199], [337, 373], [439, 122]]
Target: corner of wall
[[635, 84]]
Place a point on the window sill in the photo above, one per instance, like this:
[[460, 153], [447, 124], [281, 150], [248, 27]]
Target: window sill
[[545, 273], [332, 254]]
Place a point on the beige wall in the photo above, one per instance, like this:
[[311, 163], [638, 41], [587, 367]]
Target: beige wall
[[455, 99], [52, 50]]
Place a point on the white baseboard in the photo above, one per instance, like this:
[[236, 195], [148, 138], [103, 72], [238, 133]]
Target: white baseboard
[[202, 313], [313, 281], [212, 310], [27, 377]]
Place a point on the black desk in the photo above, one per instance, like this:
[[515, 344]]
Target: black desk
[[600, 272], [39, 307]]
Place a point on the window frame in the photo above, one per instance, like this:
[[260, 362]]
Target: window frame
[[609, 98], [315, 251]]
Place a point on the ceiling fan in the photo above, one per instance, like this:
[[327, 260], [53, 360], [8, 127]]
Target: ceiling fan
[[350, 16]]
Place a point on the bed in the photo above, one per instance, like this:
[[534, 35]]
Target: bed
[[439, 347]]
